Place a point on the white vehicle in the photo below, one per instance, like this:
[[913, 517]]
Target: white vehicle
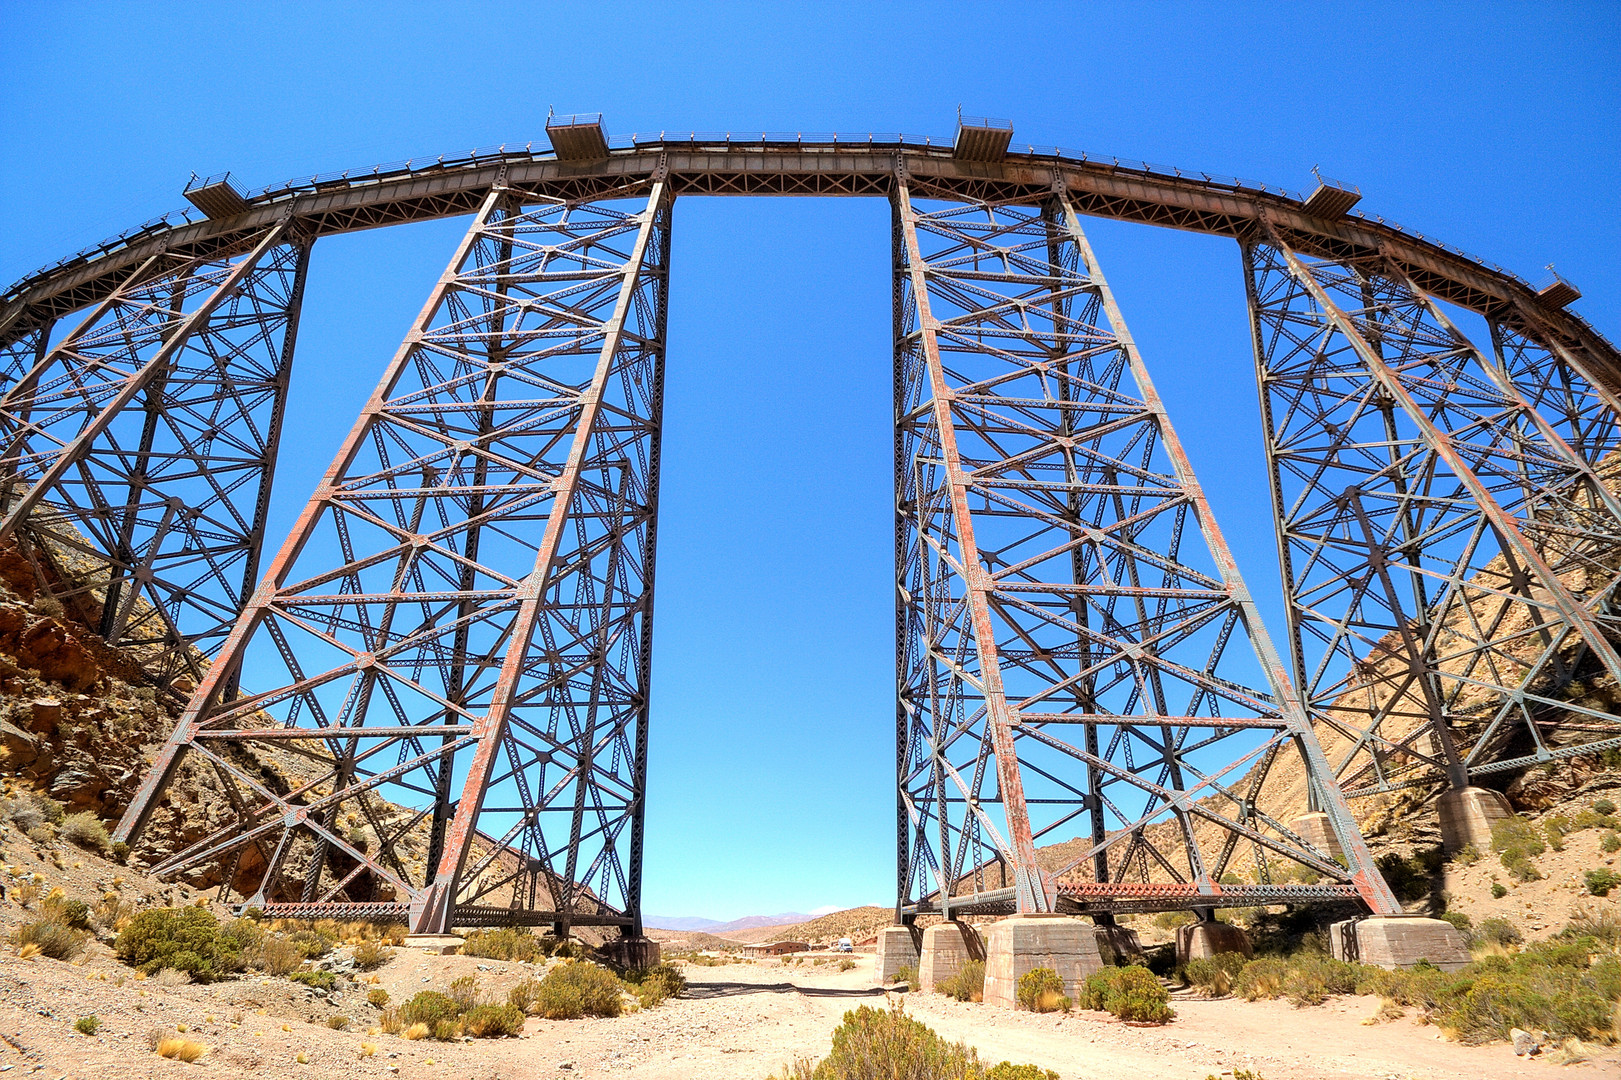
[[843, 945]]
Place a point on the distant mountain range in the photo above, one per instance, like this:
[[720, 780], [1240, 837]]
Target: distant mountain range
[[713, 926]]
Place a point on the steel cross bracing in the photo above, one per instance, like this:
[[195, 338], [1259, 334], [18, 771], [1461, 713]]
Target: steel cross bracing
[[1451, 552], [1078, 657], [447, 663], [137, 454]]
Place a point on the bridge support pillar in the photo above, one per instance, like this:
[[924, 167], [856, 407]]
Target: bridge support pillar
[[946, 948], [1467, 816], [633, 952], [1398, 941], [897, 949], [1317, 830], [1207, 937], [1018, 945]]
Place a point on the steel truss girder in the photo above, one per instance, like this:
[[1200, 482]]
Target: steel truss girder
[[1448, 543], [137, 455], [1066, 607], [459, 621]]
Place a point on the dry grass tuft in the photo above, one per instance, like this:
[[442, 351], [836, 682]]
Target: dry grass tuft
[[179, 1049], [417, 1031]]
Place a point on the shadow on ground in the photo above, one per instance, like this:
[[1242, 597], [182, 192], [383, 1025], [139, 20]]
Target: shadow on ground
[[706, 990]]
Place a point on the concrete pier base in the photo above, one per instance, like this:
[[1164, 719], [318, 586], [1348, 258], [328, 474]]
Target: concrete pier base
[[1398, 941], [1018, 945], [946, 948], [1316, 831], [1124, 943], [1467, 816], [442, 944], [1200, 940], [897, 948], [632, 952]]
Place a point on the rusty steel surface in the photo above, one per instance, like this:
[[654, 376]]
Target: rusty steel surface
[[447, 662]]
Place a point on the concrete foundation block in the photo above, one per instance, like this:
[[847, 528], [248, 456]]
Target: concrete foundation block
[[1467, 816], [897, 949], [633, 952], [1124, 943], [946, 948], [1398, 941], [1018, 945], [1200, 940], [1314, 828], [442, 944]]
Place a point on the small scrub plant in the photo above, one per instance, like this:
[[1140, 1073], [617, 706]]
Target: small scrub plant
[[1517, 842], [1214, 976], [377, 997], [87, 1025], [1041, 990], [1468, 855], [1604, 807], [371, 955], [504, 943], [48, 937], [185, 939], [273, 954], [311, 943], [968, 984], [181, 1049], [318, 980], [906, 975], [655, 985], [1461, 922], [1411, 878], [576, 989], [886, 1043], [1499, 890], [1601, 881], [85, 830], [337, 1022], [492, 1021], [1610, 842], [1498, 931], [1130, 993]]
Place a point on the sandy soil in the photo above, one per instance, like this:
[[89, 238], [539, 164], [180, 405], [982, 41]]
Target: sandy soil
[[737, 1021]]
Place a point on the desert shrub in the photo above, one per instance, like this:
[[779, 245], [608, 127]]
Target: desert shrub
[[1461, 922], [1498, 931], [377, 997], [184, 939], [1498, 890], [907, 975], [416, 1031], [1040, 990], [1468, 855], [87, 1025], [1600, 923], [1610, 842], [337, 1023], [1517, 842], [578, 988], [1214, 975], [428, 1007], [1009, 1071], [1170, 920], [525, 996], [464, 992], [74, 914], [180, 1049], [1601, 881], [273, 954], [886, 1043], [657, 984], [311, 943], [370, 955], [505, 943], [447, 1030], [112, 912], [1604, 807], [29, 811], [319, 980], [49, 937], [170, 978], [1131, 993], [86, 830], [968, 984], [492, 1021], [1410, 878]]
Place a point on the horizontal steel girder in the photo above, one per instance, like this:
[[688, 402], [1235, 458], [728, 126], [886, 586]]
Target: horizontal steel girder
[[1065, 599]]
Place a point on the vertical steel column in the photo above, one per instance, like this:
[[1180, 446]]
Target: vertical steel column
[[1429, 556], [464, 602], [1058, 634]]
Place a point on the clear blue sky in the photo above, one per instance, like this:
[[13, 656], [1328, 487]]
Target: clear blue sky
[[1492, 126]]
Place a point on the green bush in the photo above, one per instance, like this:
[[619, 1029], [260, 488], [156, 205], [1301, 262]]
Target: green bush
[[1610, 842], [492, 1021], [1498, 890], [1461, 921], [337, 1023], [1215, 975], [886, 1044], [377, 997], [1411, 878], [311, 943], [1041, 990], [657, 984], [53, 937], [1498, 931], [184, 939], [86, 830], [968, 984], [1517, 842], [525, 996], [1604, 807], [505, 943], [370, 955], [578, 988], [1600, 882], [463, 992], [87, 1025], [907, 975], [320, 980], [1131, 993], [428, 1007]]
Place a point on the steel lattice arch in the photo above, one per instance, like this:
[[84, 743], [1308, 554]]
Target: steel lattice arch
[[430, 701]]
